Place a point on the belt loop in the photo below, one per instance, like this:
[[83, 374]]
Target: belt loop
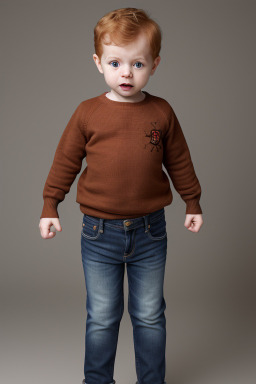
[[101, 225], [146, 219]]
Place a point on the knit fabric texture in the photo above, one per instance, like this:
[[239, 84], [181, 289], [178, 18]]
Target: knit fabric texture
[[126, 145]]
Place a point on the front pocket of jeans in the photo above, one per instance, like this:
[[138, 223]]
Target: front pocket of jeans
[[157, 229], [90, 230]]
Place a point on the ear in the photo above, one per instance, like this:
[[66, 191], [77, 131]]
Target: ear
[[97, 62], [156, 63]]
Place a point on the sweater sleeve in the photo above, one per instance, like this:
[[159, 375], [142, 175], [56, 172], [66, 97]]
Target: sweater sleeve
[[178, 163], [66, 164]]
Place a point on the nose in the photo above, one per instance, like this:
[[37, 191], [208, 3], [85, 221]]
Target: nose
[[127, 71]]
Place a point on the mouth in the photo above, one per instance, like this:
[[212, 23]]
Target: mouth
[[126, 86]]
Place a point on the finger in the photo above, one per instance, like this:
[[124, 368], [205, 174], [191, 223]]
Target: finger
[[188, 223], [57, 225], [194, 228], [47, 234]]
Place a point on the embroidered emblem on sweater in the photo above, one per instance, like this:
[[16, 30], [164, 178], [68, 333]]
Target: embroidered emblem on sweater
[[155, 137]]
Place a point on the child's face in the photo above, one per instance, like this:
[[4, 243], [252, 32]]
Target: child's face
[[131, 64]]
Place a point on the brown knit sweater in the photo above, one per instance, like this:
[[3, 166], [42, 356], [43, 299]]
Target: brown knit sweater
[[125, 145]]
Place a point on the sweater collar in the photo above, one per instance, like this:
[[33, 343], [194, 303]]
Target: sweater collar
[[124, 104]]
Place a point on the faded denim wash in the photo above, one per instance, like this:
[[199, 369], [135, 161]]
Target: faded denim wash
[[106, 246]]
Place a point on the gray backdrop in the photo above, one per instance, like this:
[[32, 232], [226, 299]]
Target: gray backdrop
[[207, 73]]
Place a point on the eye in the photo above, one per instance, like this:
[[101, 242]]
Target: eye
[[113, 62], [138, 62]]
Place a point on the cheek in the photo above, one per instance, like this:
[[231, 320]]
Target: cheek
[[143, 75], [111, 74], [108, 75]]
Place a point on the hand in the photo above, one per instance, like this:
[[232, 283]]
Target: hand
[[45, 226], [193, 222]]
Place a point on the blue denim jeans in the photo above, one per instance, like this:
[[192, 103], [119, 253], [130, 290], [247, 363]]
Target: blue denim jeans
[[106, 246]]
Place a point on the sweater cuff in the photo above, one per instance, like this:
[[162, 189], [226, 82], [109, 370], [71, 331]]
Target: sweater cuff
[[193, 207], [50, 208]]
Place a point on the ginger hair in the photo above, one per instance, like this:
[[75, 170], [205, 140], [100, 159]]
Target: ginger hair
[[123, 26]]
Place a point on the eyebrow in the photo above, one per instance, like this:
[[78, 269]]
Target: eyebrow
[[115, 57]]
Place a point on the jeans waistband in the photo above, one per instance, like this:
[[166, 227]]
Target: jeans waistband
[[126, 224]]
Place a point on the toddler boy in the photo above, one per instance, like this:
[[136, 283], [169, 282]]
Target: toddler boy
[[126, 135]]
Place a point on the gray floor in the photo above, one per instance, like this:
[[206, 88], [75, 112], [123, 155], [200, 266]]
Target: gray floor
[[207, 343]]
